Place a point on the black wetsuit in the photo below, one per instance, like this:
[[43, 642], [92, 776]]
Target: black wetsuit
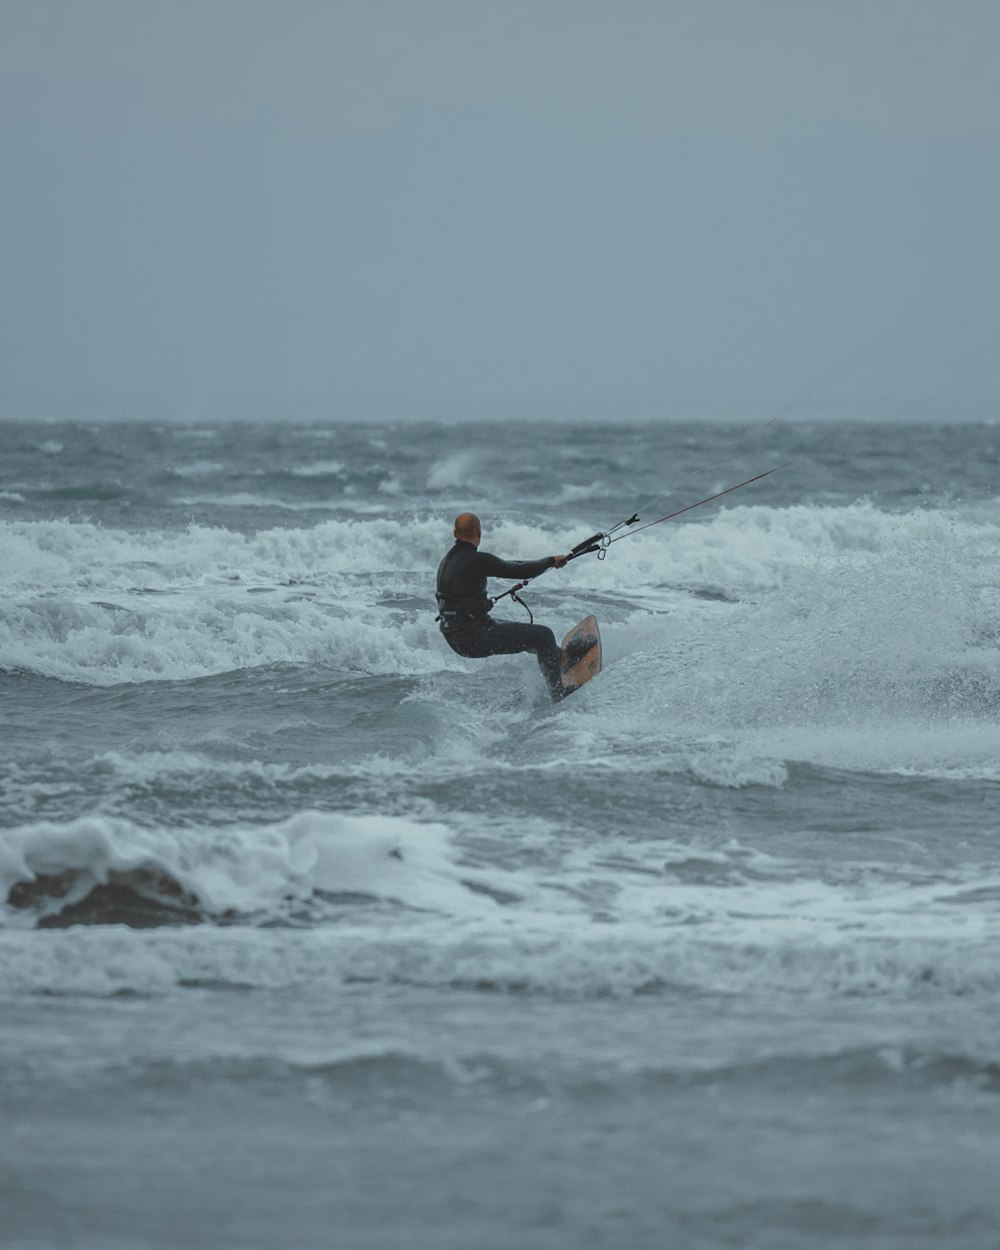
[[465, 610]]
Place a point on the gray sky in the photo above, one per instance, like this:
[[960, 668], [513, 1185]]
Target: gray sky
[[435, 208]]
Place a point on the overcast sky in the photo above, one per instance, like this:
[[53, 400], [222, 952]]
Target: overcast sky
[[421, 208]]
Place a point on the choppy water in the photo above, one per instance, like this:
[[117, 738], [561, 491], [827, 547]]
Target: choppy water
[[314, 934]]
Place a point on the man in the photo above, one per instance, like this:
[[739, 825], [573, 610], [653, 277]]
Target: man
[[465, 607]]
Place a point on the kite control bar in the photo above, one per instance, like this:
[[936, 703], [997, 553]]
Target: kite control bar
[[596, 542]]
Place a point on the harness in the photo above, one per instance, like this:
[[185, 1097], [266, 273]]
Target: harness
[[453, 617]]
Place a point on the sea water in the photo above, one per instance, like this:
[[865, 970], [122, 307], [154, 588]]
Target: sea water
[[316, 935]]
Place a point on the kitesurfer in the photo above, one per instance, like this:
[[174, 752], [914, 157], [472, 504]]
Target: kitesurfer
[[464, 607]]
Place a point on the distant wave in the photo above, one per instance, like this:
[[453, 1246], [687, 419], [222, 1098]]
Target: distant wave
[[456, 469], [401, 1075], [244, 499], [198, 468], [319, 468], [110, 959], [97, 492]]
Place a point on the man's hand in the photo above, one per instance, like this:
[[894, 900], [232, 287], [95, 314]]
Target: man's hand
[[559, 561]]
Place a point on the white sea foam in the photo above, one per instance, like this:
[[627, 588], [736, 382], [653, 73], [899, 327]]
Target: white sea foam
[[199, 468], [945, 749], [111, 959], [724, 920], [85, 642], [454, 470], [831, 611], [247, 869], [319, 468], [568, 493], [734, 770], [745, 550]]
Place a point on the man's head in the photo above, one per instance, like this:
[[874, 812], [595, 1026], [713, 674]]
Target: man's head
[[468, 529]]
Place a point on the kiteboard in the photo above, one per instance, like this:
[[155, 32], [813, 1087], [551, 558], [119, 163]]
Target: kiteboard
[[581, 655]]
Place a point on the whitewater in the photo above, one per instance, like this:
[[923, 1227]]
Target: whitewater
[[313, 933]]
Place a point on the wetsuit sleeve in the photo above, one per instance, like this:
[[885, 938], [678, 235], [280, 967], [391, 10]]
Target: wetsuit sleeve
[[493, 566]]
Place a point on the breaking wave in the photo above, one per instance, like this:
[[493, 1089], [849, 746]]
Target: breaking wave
[[849, 597]]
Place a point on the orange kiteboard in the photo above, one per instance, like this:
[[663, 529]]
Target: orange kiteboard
[[581, 654]]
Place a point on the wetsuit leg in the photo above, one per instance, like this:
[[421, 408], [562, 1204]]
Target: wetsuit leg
[[510, 638]]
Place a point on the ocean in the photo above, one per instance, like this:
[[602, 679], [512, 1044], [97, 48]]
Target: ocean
[[314, 935]]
